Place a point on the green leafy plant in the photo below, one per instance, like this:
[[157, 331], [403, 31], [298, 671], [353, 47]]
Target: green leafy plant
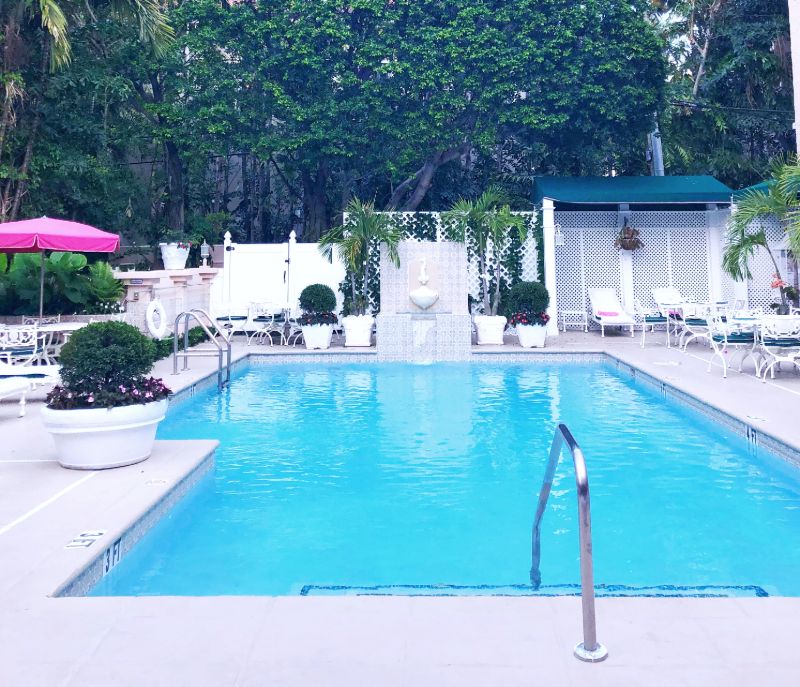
[[365, 228], [106, 365], [747, 233], [527, 296], [104, 286], [66, 284], [317, 301], [486, 221], [164, 346]]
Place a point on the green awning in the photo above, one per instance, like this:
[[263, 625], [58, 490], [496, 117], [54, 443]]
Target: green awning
[[764, 186], [615, 190]]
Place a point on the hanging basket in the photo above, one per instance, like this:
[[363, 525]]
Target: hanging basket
[[628, 239]]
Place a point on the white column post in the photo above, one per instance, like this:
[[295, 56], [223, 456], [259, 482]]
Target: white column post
[[226, 267], [626, 264], [794, 36], [549, 240], [716, 221]]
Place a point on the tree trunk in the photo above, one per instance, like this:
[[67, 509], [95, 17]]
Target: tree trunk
[[418, 184], [22, 184], [175, 187], [314, 207]]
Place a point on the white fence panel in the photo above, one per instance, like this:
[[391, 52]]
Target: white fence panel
[[274, 274]]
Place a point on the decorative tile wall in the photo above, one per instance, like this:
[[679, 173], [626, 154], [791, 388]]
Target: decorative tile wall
[[443, 331]]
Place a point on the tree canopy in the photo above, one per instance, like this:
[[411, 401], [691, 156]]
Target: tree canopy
[[269, 116]]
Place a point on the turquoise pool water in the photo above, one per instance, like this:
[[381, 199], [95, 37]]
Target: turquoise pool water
[[423, 479]]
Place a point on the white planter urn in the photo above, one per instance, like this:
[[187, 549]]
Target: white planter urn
[[317, 335], [174, 256], [358, 330], [531, 335], [100, 438], [490, 329]]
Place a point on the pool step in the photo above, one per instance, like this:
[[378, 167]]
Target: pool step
[[601, 590]]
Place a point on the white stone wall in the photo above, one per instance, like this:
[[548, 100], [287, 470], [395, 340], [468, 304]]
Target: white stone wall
[[178, 291]]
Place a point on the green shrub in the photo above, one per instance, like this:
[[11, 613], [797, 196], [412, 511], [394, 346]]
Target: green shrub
[[527, 297], [106, 365], [317, 298], [105, 355], [164, 346]]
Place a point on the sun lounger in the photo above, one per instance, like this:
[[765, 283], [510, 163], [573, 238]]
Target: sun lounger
[[607, 311], [15, 386]]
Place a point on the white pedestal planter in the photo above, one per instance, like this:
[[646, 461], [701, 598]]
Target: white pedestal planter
[[531, 335], [358, 330], [174, 257], [490, 329], [317, 335], [99, 438]]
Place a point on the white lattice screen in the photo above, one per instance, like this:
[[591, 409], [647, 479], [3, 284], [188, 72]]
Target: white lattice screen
[[675, 253]]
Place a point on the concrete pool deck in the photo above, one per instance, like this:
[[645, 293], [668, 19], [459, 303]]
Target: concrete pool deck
[[146, 641]]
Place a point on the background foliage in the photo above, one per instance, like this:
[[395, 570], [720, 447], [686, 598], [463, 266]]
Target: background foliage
[[267, 117]]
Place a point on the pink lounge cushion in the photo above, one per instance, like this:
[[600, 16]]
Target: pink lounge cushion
[[607, 313]]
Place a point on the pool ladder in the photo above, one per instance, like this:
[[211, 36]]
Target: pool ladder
[[589, 649], [221, 344]]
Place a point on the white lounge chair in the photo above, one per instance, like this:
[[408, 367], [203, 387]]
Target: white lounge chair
[[34, 375], [15, 386], [607, 311]]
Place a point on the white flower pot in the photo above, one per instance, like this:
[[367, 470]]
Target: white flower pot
[[173, 256], [358, 330], [99, 438], [317, 335], [490, 329], [531, 335]]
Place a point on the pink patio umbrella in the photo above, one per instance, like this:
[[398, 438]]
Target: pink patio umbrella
[[45, 233]]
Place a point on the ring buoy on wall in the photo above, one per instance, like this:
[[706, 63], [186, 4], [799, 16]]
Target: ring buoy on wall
[[156, 317]]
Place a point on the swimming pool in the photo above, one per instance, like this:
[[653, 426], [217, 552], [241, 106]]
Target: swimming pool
[[393, 478]]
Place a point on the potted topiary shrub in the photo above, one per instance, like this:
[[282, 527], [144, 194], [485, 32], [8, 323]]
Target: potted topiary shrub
[[317, 302], [486, 222], [527, 303], [363, 229], [107, 409]]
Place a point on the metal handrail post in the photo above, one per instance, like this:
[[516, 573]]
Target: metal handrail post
[[186, 341], [200, 315], [589, 649]]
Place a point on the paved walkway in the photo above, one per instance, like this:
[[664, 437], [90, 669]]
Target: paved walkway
[[221, 641]]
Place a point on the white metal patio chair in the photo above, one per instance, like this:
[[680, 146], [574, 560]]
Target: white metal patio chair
[[607, 311], [779, 339], [20, 345], [726, 337], [35, 375], [651, 318], [267, 319]]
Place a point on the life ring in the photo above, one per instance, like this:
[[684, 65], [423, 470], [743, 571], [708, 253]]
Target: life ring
[[156, 317]]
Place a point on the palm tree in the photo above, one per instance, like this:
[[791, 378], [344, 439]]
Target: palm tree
[[746, 232], [19, 17], [363, 229], [52, 17], [486, 220]]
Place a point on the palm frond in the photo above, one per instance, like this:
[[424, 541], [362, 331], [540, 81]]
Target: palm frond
[[154, 29]]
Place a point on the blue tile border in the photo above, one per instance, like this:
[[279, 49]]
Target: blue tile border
[[516, 590], [757, 437], [90, 575]]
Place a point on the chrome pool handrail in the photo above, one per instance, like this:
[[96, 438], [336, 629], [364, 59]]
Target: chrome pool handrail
[[221, 350], [589, 649]]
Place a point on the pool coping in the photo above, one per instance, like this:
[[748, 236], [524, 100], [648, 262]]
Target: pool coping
[[125, 537]]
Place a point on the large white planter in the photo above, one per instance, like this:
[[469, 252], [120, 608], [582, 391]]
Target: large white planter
[[531, 335], [317, 335], [99, 438], [490, 329], [173, 256], [358, 330]]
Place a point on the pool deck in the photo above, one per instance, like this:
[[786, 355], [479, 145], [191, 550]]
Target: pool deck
[[220, 641]]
